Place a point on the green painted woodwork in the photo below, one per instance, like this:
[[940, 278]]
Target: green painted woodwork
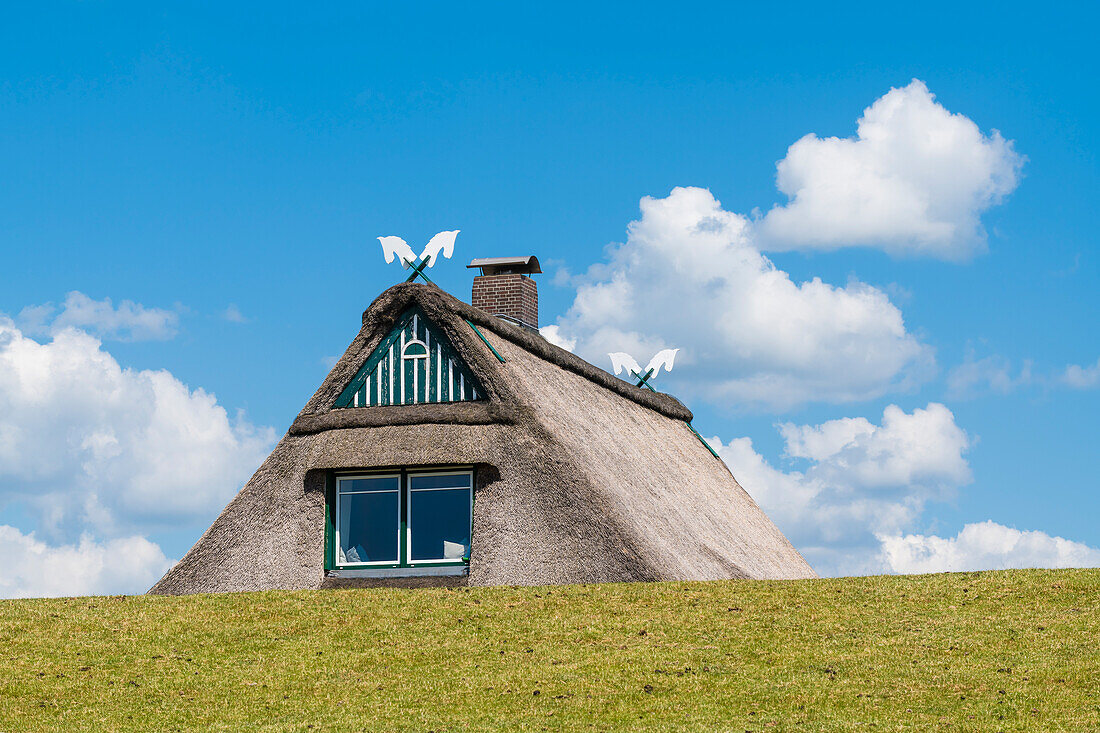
[[418, 271], [481, 336], [413, 364], [331, 562], [330, 526], [643, 381], [403, 521], [701, 440]]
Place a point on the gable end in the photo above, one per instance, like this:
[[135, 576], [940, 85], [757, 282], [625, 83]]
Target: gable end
[[414, 364]]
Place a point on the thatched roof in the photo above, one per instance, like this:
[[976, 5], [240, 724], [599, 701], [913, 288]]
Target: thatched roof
[[581, 476]]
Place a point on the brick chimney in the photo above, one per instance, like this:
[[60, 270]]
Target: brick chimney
[[505, 289]]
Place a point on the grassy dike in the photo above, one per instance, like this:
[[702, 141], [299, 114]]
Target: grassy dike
[[1014, 650]]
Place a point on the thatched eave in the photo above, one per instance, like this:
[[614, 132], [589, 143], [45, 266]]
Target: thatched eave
[[446, 413]]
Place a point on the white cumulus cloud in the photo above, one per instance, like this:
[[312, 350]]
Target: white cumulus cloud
[[553, 334], [852, 508], [924, 447], [33, 569], [988, 374], [128, 321], [914, 180], [1082, 377], [88, 444], [984, 546], [689, 275], [233, 314], [861, 480]]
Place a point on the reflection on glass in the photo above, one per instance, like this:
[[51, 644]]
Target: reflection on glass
[[446, 481], [372, 483], [439, 521], [368, 526]]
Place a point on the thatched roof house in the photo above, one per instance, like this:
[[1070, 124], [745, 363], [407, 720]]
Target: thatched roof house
[[451, 446]]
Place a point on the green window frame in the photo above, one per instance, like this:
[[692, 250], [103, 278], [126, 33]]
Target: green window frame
[[338, 488]]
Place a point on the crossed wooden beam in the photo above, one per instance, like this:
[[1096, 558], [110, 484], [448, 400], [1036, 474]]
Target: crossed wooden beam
[[417, 270], [643, 381]]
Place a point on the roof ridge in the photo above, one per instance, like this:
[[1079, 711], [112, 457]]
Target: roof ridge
[[456, 318], [661, 402]]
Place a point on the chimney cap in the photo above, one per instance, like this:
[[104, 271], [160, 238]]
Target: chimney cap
[[504, 265]]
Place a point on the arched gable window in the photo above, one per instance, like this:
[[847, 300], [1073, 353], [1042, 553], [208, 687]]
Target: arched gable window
[[414, 358], [415, 350]]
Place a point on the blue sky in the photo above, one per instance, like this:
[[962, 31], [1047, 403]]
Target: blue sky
[[193, 159]]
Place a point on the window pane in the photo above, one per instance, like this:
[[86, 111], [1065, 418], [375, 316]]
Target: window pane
[[414, 349], [454, 481], [380, 483], [368, 527], [439, 522]]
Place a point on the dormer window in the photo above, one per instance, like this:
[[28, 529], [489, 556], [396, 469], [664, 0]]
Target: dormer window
[[399, 521]]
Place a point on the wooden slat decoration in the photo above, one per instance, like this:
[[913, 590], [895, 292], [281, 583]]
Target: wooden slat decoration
[[414, 363]]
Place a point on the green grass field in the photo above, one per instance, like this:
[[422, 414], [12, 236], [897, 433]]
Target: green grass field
[[1017, 650]]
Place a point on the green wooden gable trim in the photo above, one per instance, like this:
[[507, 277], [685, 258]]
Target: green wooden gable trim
[[414, 363]]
